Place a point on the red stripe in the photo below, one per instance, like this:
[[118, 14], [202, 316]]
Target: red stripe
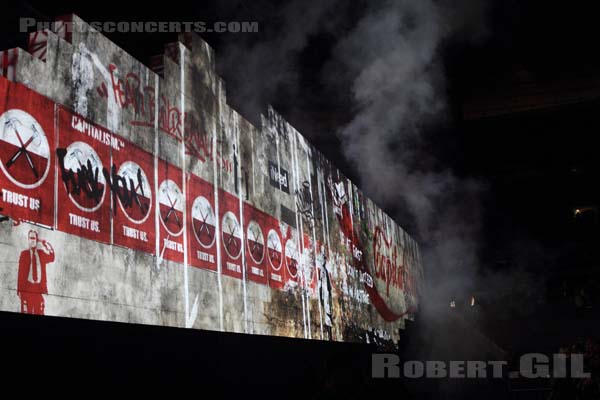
[[32, 37]]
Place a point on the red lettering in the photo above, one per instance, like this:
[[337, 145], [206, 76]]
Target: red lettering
[[129, 93]]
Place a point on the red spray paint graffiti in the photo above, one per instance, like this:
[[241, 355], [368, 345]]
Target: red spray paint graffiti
[[129, 93], [38, 44], [8, 63]]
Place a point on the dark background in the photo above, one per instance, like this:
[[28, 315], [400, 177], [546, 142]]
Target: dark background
[[523, 106]]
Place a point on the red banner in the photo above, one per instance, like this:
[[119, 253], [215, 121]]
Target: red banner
[[291, 258], [275, 257], [170, 206], [83, 158], [132, 186], [231, 234], [27, 142], [202, 224], [257, 224]]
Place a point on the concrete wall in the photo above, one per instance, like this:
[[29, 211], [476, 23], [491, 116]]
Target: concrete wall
[[290, 247]]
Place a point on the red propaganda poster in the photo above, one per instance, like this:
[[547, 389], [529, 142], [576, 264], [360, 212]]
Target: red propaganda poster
[[291, 257], [27, 143], [83, 159], [231, 234], [131, 180], [170, 208], [274, 257], [202, 224], [257, 224]]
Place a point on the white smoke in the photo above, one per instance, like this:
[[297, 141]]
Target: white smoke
[[393, 59], [389, 56]]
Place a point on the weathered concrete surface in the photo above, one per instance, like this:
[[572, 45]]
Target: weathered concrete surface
[[345, 268]]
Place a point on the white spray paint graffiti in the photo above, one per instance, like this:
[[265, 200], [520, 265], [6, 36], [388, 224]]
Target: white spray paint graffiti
[[112, 107]]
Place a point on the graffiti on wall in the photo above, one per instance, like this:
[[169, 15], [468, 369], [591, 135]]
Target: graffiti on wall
[[128, 93], [8, 63], [278, 177], [306, 206], [263, 208]]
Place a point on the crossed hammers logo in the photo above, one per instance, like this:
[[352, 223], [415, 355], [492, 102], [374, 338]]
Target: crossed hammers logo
[[230, 241], [204, 224], [172, 211], [22, 151]]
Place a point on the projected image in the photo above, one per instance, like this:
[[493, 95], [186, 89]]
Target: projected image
[[231, 235], [135, 196], [87, 189], [203, 222], [170, 200], [24, 151]]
